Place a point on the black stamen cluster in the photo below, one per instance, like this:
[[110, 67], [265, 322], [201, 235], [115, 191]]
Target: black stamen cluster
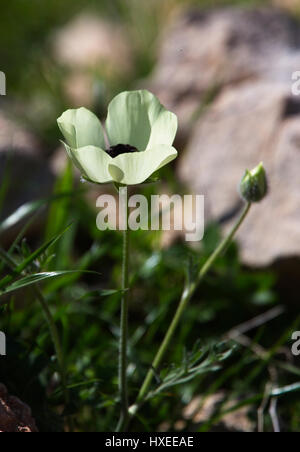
[[118, 149]]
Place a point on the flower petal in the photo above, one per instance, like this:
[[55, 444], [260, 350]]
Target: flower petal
[[92, 162], [74, 160], [80, 128], [134, 168], [137, 118]]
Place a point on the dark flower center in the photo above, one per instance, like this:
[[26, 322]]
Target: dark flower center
[[114, 151]]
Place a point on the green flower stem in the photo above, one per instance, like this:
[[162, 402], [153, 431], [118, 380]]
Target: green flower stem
[[123, 389], [186, 296]]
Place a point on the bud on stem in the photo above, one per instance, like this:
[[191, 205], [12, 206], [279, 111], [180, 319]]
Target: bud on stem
[[254, 186]]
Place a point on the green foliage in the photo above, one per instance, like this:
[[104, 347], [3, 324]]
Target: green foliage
[[78, 270], [86, 308], [202, 360]]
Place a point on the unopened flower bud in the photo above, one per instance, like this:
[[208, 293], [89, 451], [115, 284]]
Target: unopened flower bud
[[254, 186]]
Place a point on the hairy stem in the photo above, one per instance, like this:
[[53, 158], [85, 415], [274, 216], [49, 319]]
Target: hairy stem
[[123, 389], [185, 298]]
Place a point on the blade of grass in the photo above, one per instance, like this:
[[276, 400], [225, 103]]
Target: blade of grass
[[4, 282], [60, 212], [30, 207], [35, 278]]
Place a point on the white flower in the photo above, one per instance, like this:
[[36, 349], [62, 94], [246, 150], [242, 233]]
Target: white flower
[[140, 133]]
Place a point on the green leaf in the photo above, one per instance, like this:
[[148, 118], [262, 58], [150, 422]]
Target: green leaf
[[77, 385], [58, 211], [100, 293], [286, 389], [7, 259], [29, 208], [23, 265], [90, 257], [37, 278], [21, 213], [61, 211], [201, 361]]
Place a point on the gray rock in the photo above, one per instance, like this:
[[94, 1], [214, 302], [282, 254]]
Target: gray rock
[[252, 123], [248, 57], [15, 136], [206, 51], [88, 41]]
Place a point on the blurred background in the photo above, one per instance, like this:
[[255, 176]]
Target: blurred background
[[225, 68]]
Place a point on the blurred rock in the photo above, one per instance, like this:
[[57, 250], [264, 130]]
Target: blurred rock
[[15, 416], [290, 5], [246, 58], [15, 136], [203, 409], [251, 123], [78, 88], [28, 178], [58, 161], [89, 42], [239, 420], [91, 50], [207, 50]]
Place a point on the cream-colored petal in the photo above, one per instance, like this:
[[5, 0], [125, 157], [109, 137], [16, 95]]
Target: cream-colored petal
[[92, 162], [134, 168], [138, 118], [80, 128]]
